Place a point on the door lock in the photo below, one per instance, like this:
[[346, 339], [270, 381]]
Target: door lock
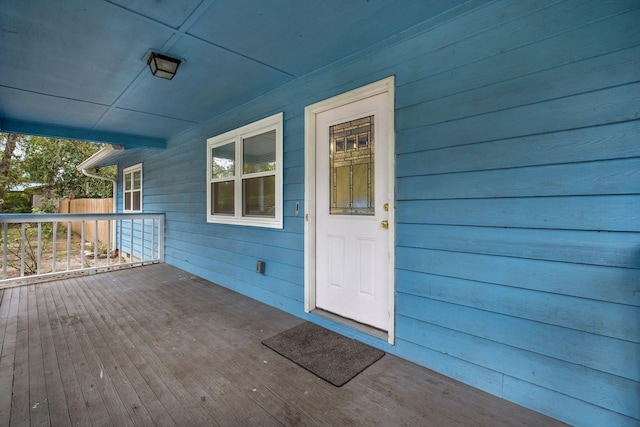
[[385, 224]]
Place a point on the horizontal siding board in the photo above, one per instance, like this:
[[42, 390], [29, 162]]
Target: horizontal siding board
[[616, 69], [588, 109], [615, 141], [606, 354], [256, 235], [477, 376], [585, 281], [458, 35], [517, 34], [546, 64], [576, 179], [293, 191], [185, 197], [173, 207], [181, 156], [501, 328], [294, 175], [266, 252], [245, 288], [612, 249], [589, 385], [176, 176], [295, 157], [243, 263], [238, 271], [558, 405], [605, 213]]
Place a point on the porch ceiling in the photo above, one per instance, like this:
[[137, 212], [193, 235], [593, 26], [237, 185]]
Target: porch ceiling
[[77, 68]]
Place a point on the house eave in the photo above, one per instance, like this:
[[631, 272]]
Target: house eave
[[104, 157], [50, 130]]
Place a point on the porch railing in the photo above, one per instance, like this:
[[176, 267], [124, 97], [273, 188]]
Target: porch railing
[[43, 245]]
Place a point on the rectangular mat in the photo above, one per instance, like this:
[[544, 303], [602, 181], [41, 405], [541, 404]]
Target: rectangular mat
[[330, 356]]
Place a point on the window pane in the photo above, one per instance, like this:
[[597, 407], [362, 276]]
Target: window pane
[[259, 196], [342, 183], [352, 167], [136, 201], [137, 180], [223, 161], [127, 202], [127, 181], [362, 186], [222, 201], [259, 153]]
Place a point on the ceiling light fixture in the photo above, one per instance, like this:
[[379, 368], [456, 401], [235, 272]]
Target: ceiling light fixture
[[163, 66]]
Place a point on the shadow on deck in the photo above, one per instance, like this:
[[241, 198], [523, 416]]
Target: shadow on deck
[[155, 345]]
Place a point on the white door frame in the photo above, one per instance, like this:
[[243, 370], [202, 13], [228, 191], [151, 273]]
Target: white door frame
[[383, 86]]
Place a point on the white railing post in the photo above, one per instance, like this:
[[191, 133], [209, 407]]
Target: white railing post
[[95, 245], [82, 245], [5, 237], [120, 242], [131, 232], [55, 247], [141, 240], [109, 242], [25, 259], [39, 250], [161, 239], [69, 231], [23, 242]]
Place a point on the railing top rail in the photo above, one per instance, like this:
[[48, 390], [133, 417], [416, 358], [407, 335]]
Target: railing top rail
[[62, 217]]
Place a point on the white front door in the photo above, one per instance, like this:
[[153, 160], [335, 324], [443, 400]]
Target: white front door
[[353, 206]]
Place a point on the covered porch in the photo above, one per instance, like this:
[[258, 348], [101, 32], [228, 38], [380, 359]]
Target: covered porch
[[155, 345]]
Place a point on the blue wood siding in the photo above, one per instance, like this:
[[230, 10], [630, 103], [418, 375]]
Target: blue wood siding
[[518, 201], [139, 238]]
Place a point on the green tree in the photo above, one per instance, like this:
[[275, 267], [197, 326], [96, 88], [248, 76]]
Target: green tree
[[10, 175], [53, 161]]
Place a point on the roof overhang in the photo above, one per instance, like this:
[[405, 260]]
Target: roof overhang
[[106, 156], [50, 130]]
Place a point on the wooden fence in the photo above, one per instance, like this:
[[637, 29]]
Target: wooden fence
[[88, 206]]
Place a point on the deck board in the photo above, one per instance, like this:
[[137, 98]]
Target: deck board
[[74, 402], [9, 325], [154, 345], [58, 412], [38, 398], [20, 394]]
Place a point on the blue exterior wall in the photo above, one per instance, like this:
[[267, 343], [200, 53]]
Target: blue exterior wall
[[518, 201]]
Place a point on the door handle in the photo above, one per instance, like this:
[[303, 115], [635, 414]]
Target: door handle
[[385, 224]]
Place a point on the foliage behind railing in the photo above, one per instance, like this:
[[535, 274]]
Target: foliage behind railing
[[43, 245]]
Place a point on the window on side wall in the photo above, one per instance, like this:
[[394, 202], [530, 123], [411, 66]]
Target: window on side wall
[[132, 178], [244, 175]]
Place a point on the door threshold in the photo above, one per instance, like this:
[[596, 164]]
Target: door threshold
[[361, 327]]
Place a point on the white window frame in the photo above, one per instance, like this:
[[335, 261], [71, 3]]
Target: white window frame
[[127, 173], [237, 135]]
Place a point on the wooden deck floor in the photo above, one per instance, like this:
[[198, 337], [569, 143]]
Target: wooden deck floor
[[156, 346]]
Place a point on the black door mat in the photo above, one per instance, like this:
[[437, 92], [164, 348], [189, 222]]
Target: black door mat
[[330, 356]]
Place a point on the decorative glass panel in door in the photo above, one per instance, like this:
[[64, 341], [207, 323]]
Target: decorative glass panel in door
[[351, 167]]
